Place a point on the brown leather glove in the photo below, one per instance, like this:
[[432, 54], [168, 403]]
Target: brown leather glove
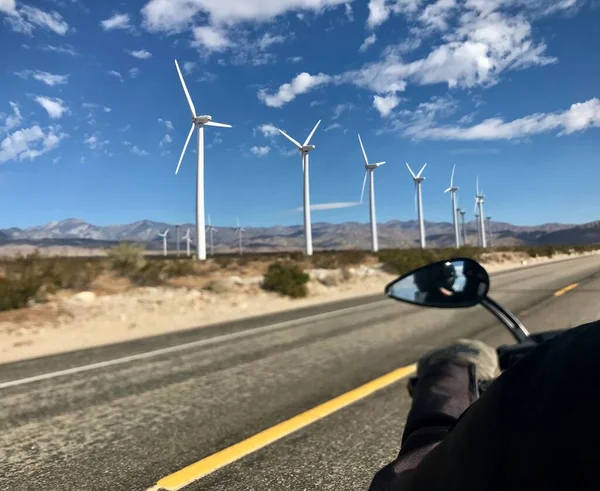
[[462, 352]]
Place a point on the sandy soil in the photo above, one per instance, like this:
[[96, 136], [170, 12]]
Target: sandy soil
[[108, 315]]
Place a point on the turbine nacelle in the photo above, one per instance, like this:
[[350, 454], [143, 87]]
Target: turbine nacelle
[[307, 148], [202, 120]]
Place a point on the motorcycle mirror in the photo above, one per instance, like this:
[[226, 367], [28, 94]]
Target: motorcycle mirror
[[451, 284]]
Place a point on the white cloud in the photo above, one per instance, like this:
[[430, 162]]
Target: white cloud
[[50, 79], [210, 38], [8, 6], [140, 54], [116, 74], [578, 117], [134, 72], [126, 128], [66, 49], [55, 107], [268, 40], [475, 54], [10, 121], [287, 92], [189, 67], [267, 130], [329, 206], [380, 10], [117, 21], [436, 15], [207, 77], [295, 59], [339, 109], [107, 109], [260, 151], [29, 143], [367, 42], [25, 19], [136, 151], [167, 123], [385, 105], [55, 160], [166, 139], [176, 15], [334, 126], [95, 142]]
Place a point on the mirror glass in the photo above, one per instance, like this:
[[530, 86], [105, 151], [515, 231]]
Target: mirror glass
[[455, 283]]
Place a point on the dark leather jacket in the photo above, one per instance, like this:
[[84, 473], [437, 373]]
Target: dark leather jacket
[[535, 427]]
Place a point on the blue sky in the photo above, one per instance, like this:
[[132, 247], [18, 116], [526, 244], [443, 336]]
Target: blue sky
[[93, 117]]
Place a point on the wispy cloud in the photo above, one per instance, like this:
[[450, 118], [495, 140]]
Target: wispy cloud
[[295, 59], [117, 21], [26, 19], [334, 126], [50, 79], [116, 74], [11, 121], [189, 67], [95, 141], [330, 206], [140, 54], [136, 151], [301, 84], [260, 151], [268, 130], [29, 143], [66, 49], [578, 117], [385, 104], [370, 40], [55, 107], [167, 123], [134, 72]]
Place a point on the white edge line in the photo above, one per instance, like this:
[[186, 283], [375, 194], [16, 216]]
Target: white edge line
[[180, 347]]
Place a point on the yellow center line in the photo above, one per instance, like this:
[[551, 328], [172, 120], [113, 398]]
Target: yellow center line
[[566, 289], [197, 470]]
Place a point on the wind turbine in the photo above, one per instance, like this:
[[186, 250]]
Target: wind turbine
[[479, 198], [177, 239], [238, 232], [198, 122], [369, 168], [489, 224], [211, 230], [188, 240], [452, 190], [164, 238], [464, 231], [304, 150], [478, 230], [419, 203]]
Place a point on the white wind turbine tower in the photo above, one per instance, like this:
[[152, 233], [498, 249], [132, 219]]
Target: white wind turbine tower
[[369, 168], [452, 190], [211, 230], [188, 241], [198, 122], [164, 238], [479, 198], [304, 150], [419, 202], [238, 233]]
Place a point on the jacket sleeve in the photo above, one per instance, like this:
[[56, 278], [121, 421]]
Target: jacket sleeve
[[441, 395]]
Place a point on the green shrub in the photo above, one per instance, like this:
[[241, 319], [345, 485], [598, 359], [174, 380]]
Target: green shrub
[[181, 267], [125, 259], [57, 273], [286, 278]]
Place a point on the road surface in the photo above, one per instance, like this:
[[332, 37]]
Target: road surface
[[124, 425]]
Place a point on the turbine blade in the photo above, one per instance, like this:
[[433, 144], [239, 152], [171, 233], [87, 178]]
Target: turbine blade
[[290, 139], [449, 189], [219, 125], [363, 151], [237, 221], [185, 89], [421, 171], [475, 207], [452, 176], [209, 224], [410, 170], [312, 133], [187, 141], [378, 164], [477, 185], [363, 186]]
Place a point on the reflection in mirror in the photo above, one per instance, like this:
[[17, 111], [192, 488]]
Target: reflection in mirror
[[456, 283]]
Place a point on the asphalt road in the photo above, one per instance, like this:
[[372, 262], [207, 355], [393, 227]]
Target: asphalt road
[[126, 425]]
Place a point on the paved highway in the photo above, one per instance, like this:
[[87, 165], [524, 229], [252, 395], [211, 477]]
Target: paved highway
[[170, 401]]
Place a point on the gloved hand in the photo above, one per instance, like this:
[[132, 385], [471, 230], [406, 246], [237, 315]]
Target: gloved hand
[[463, 352]]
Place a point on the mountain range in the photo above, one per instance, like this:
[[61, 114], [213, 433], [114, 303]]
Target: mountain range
[[348, 235]]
